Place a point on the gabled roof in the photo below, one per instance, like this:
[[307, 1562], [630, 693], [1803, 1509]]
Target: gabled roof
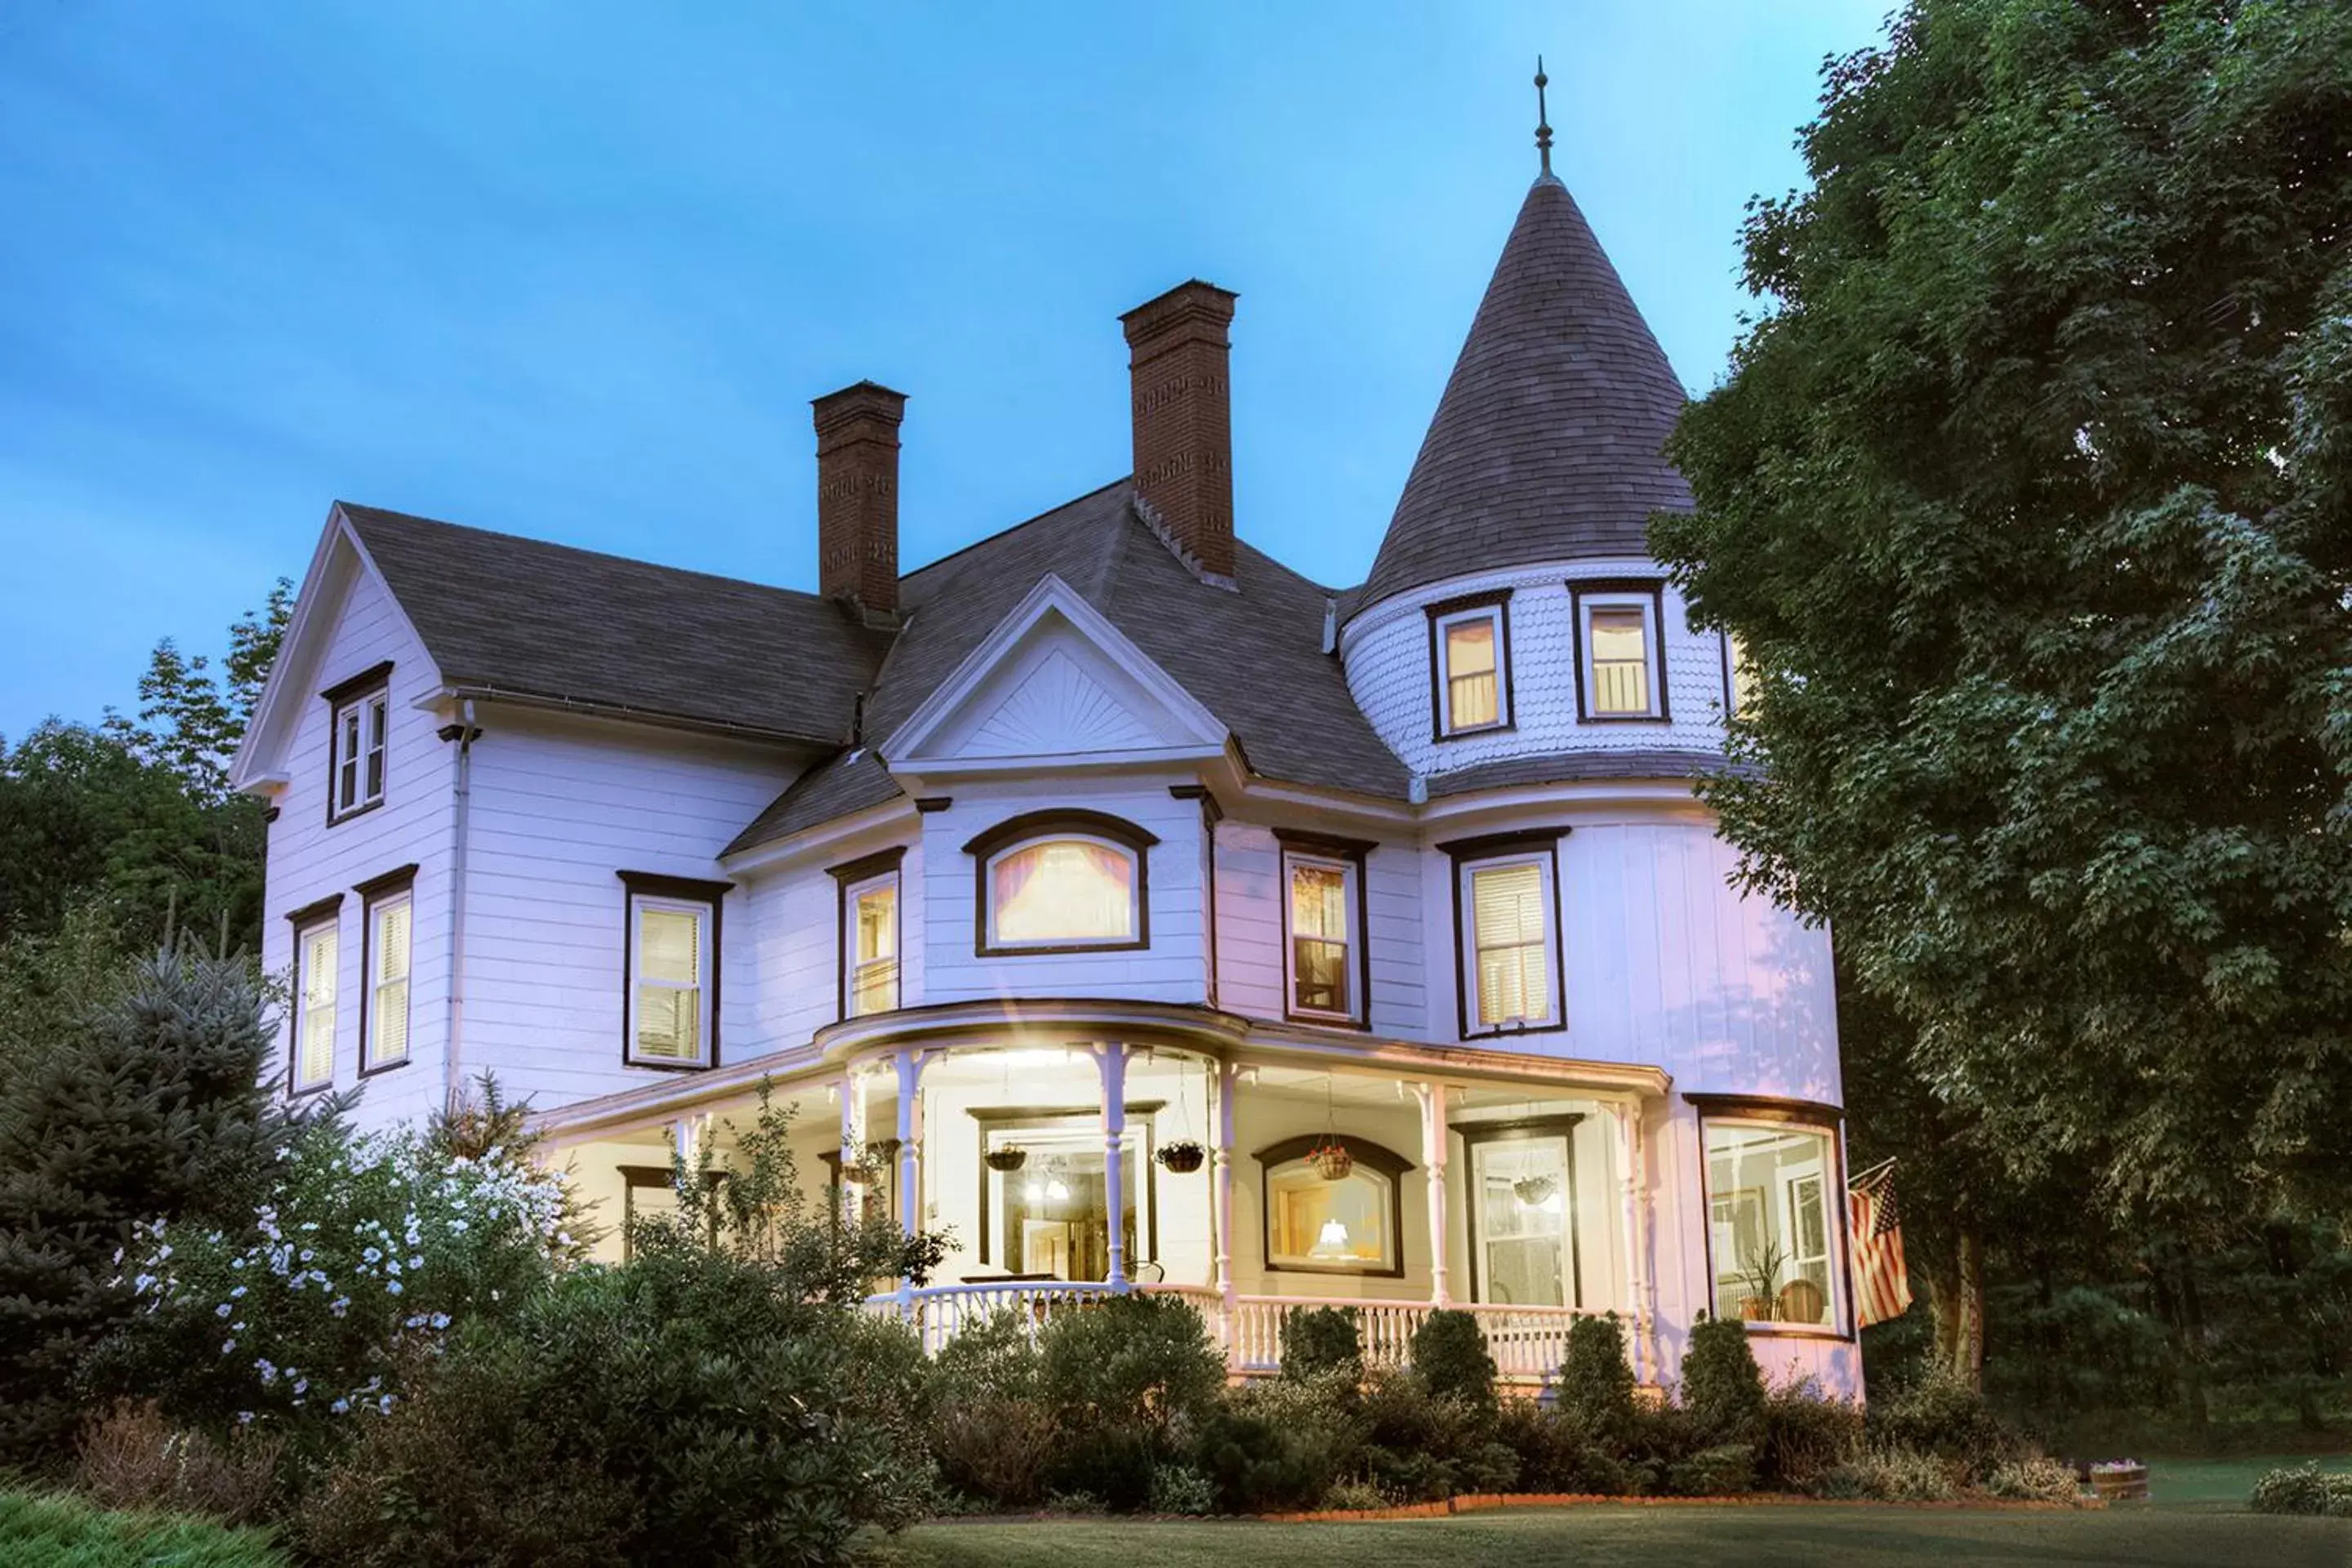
[[1254, 658], [523, 618], [1546, 446]]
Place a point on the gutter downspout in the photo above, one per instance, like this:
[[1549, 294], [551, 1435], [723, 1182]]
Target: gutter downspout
[[453, 1069]]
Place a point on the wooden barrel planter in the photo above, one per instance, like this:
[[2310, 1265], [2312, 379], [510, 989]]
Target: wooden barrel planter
[[2120, 1483]]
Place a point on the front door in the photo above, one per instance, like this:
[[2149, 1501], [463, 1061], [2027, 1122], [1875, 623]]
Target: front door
[[1523, 1190]]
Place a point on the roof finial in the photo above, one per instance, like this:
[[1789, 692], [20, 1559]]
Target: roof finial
[[1543, 121]]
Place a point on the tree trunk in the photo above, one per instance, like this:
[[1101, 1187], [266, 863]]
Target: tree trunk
[[1967, 1362], [2192, 1335]]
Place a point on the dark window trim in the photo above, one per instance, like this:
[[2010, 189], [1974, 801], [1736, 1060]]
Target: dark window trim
[[1467, 852], [635, 1176], [1356, 853], [1655, 589], [1826, 1119], [929, 803], [683, 890], [309, 917], [1017, 831], [1498, 600], [399, 882], [1523, 1129], [358, 688], [1386, 1161], [854, 873], [1147, 1156]]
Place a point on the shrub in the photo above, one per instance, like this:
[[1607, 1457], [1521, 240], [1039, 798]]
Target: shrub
[[1355, 1496], [365, 1256], [1891, 1475], [1451, 1359], [2304, 1489], [1724, 1469], [1126, 1381], [1596, 1381], [1805, 1433], [993, 1359], [1942, 1415], [994, 1451], [1322, 1340], [130, 1457], [63, 1530], [693, 1406], [1557, 1453], [1421, 1445], [1283, 1443], [2035, 1479], [1722, 1388], [1180, 1488]]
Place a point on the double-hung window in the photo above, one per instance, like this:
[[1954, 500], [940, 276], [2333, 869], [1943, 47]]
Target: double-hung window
[[358, 742], [389, 938], [318, 958], [1469, 666], [1506, 914], [1323, 912], [673, 971], [1738, 676], [869, 934], [1620, 673]]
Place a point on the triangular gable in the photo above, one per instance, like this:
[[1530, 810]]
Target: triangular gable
[[1055, 683], [337, 565]]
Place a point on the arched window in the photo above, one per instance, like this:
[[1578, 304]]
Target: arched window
[[1061, 881], [1317, 1225]]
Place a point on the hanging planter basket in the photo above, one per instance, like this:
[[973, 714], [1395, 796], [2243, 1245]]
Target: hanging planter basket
[[862, 1173], [1331, 1160], [1534, 1192], [1182, 1157], [1011, 1157]]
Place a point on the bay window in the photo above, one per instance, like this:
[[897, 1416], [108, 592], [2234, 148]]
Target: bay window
[[1061, 881], [1772, 1199], [1469, 665], [1621, 667], [672, 970]]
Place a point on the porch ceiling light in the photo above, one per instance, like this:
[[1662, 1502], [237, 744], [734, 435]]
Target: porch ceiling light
[[1034, 1057]]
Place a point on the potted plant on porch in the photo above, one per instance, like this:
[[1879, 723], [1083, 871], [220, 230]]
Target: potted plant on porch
[[1182, 1156], [1759, 1282]]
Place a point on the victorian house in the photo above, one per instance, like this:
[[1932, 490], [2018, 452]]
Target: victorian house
[[1144, 913]]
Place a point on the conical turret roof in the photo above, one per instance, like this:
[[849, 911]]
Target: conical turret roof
[[1546, 446]]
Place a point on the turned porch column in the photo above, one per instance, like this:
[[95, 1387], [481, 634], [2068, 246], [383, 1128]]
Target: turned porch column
[[1642, 1346], [853, 1144], [1221, 1188], [1434, 1141], [1110, 1058], [909, 1063]]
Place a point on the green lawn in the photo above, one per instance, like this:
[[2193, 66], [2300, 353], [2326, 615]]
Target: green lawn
[[1753, 1537], [2225, 1481], [43, 1531]]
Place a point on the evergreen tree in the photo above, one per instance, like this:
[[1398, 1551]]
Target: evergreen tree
[[153, 1106]]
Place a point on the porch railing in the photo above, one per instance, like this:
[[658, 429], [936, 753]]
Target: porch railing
[[1529, 1343]]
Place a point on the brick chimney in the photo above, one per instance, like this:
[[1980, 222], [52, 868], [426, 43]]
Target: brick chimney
[[1183, 420], [858, 497]]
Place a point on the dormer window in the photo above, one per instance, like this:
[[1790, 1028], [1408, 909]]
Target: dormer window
[[1469, 656], [1620, 665], [357, 742], [1063, 881]]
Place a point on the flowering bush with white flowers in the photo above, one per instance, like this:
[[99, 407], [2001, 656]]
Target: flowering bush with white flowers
[[368, 1251]]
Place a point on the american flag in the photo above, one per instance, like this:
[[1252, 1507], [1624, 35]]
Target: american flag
[[1881, 1285]]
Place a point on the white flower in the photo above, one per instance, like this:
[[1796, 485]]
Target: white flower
[[339, 1305], [440, 1320], [228, 1347], [391, 1287], [340, 1407], [302, 1386], [235, 1292]]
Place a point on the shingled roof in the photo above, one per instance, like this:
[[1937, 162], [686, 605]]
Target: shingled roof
[[1253, 658], [524, 618], [1546, 445]]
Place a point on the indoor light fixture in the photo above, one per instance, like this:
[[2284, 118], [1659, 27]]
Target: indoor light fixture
[[1333, 1240]]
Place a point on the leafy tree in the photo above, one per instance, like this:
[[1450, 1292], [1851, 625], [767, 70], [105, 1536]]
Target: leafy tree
[[151, 1106], [2029, 497]]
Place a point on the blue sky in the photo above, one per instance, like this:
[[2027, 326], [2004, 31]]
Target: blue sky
[[574, 269]]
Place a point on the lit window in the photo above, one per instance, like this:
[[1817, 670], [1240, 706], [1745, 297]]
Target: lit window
[[389, 941], [1063, 892], [1508, 945], [1622, 677], [669, 981], [1315, 1225], [361, 726], [1769, 1193], [1322, 954], [1472, 691], [318, 953], [1738, 676], [1522, 1218], [872, 941]]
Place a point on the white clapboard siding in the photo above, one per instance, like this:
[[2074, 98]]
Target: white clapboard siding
[[309, 860], [795, 941], [560, 807]]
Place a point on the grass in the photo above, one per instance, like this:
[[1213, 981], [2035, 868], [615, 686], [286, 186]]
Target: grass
[[1754, 1537], [2224, 1481], [39, 1531]]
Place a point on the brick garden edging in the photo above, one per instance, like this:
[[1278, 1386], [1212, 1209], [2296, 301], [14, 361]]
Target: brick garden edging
[[1485, 1501]]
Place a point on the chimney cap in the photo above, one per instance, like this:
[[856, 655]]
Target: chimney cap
[[1195, 297], [861, 390]]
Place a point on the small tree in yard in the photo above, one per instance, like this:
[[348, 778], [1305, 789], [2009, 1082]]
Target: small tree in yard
[[153, 1107]]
